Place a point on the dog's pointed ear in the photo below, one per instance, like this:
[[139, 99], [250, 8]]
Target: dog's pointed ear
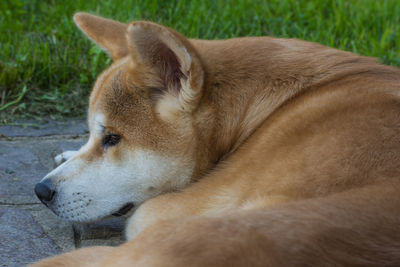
[[173, 59], [109, 34]]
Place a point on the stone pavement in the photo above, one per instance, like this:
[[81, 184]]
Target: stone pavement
[[28, 230]]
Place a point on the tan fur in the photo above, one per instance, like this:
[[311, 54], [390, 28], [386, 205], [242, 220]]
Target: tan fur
[[296, 149]]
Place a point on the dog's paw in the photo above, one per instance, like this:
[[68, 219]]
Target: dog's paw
[[63, 157]]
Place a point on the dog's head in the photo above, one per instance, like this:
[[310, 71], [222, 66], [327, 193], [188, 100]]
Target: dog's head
[[142, 140]]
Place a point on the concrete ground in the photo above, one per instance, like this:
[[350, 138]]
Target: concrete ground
[[28, 230]]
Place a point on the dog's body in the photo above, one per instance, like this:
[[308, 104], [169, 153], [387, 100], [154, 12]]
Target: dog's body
[[284, 152]]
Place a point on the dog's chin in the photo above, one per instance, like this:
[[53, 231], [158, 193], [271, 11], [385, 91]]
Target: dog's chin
[[125, 210]]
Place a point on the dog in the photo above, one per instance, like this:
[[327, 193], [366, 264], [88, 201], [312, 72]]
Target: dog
[[253, 151]]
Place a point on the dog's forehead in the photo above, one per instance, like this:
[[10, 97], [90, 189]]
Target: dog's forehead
[[103, 80], [119, 93]]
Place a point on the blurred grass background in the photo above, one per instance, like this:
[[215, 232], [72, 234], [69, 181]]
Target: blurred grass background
[[47, 66]]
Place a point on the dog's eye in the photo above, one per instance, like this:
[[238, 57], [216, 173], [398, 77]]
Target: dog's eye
[[111, 140]]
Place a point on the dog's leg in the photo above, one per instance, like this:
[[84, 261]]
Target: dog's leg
[[82, 257], [359, 227], [63, 157], [196, 200]]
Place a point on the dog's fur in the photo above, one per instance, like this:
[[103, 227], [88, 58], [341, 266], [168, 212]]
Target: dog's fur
[[244, 152]]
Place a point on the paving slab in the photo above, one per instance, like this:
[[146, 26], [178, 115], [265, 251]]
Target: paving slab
[[58, 230], [46, 128], [23, 240], [26, 156], [24, 162]]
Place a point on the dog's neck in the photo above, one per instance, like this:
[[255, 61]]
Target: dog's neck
[[243, 88], [243, 111]]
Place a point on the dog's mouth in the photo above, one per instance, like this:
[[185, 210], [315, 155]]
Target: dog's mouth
[[124, 210]]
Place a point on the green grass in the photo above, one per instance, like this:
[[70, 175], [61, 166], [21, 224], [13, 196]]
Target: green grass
[[42, 51]]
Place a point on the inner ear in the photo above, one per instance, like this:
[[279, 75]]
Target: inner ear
[[167, 65], [173, 60], [157, 47]]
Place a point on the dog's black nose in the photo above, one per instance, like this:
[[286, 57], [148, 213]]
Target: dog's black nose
[[45, 191]]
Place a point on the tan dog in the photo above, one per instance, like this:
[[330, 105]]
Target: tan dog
[[249, 152]]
